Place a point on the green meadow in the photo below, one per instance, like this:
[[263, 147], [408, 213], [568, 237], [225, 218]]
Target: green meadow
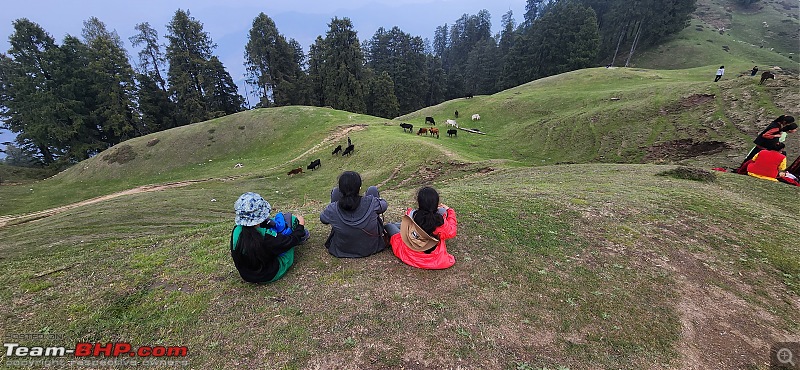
[[580, 245], [592, 233]]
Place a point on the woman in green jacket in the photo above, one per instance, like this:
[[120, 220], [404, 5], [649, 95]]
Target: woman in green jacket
[[261, 253]]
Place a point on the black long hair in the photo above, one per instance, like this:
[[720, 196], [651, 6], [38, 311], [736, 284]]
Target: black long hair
[[785, 119], [349, 186], [249, 241], [426, 216]]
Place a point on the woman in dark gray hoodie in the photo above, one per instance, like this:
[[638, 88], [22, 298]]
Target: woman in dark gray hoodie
[[356, 228]]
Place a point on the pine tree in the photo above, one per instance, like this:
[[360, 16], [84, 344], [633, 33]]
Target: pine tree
[[221, 93], [157, 112], [403, 57], [30, 101], [151, 59], [381, 97], [437, 81], [272, 64], [465, 33], [80, 100], [315, 80], [341, 67], [483, 68], [188, 52], [113, 80], [198, 82], [566, 38]]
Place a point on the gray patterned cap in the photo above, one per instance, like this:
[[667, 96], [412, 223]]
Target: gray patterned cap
[[251, 209]]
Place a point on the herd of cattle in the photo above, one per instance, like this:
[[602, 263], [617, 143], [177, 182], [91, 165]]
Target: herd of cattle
[[431, 131], [317, 162]]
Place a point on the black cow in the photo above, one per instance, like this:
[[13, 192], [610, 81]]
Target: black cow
[[314, 165], [337, 150], [430, 120], [348, 150], [407, 126], [469, 95], [452, 132], [765, 76], [456, 114]]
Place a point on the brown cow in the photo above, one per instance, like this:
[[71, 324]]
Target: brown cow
[[422, 131], [295, 171], [434, 131], [765, 76]]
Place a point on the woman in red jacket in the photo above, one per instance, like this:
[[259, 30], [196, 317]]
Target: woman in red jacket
[[419, 239], [768, 164]]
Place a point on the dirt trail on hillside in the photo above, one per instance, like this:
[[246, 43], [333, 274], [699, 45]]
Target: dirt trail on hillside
[[5, 220], [28, 217]]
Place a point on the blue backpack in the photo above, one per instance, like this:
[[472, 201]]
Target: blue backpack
[[284, 223]]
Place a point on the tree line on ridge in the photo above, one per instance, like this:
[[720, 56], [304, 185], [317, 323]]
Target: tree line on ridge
[[70, 101]]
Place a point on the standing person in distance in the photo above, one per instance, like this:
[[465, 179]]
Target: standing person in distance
[[720, 72]]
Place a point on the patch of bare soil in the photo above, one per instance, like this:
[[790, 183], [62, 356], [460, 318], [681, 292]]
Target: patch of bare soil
[[683, 149], [696, 100], [719, 330], [434, 170], [335, 136]]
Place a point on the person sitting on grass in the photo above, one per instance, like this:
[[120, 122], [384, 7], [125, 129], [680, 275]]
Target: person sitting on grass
[[419, 239], [356, 224], [771, 136], [262, 248], [768, 164]]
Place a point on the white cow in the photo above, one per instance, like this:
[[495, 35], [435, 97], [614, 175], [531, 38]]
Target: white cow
[[452, 123], [476, 117]]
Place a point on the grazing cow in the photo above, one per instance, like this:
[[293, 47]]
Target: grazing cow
[[407, 126], [469, 95], [337, 150], [476, 117], [452, 132], [348, 150], [422, 130], [295, 171], [451, 122], [765, 76], [314, 165], [430, 120], [456, 114], [434, 131]]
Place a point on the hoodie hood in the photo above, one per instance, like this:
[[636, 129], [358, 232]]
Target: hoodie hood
[[361, 216]]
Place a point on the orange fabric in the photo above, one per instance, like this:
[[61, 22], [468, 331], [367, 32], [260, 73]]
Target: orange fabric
[[436, 260], [766, 165]]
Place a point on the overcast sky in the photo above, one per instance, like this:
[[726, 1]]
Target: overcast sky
[[228, 22]]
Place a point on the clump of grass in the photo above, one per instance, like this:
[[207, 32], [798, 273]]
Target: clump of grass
[[122, 154], [690, 173]]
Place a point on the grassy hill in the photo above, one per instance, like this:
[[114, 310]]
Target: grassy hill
[[579, 244], [766, 34]]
